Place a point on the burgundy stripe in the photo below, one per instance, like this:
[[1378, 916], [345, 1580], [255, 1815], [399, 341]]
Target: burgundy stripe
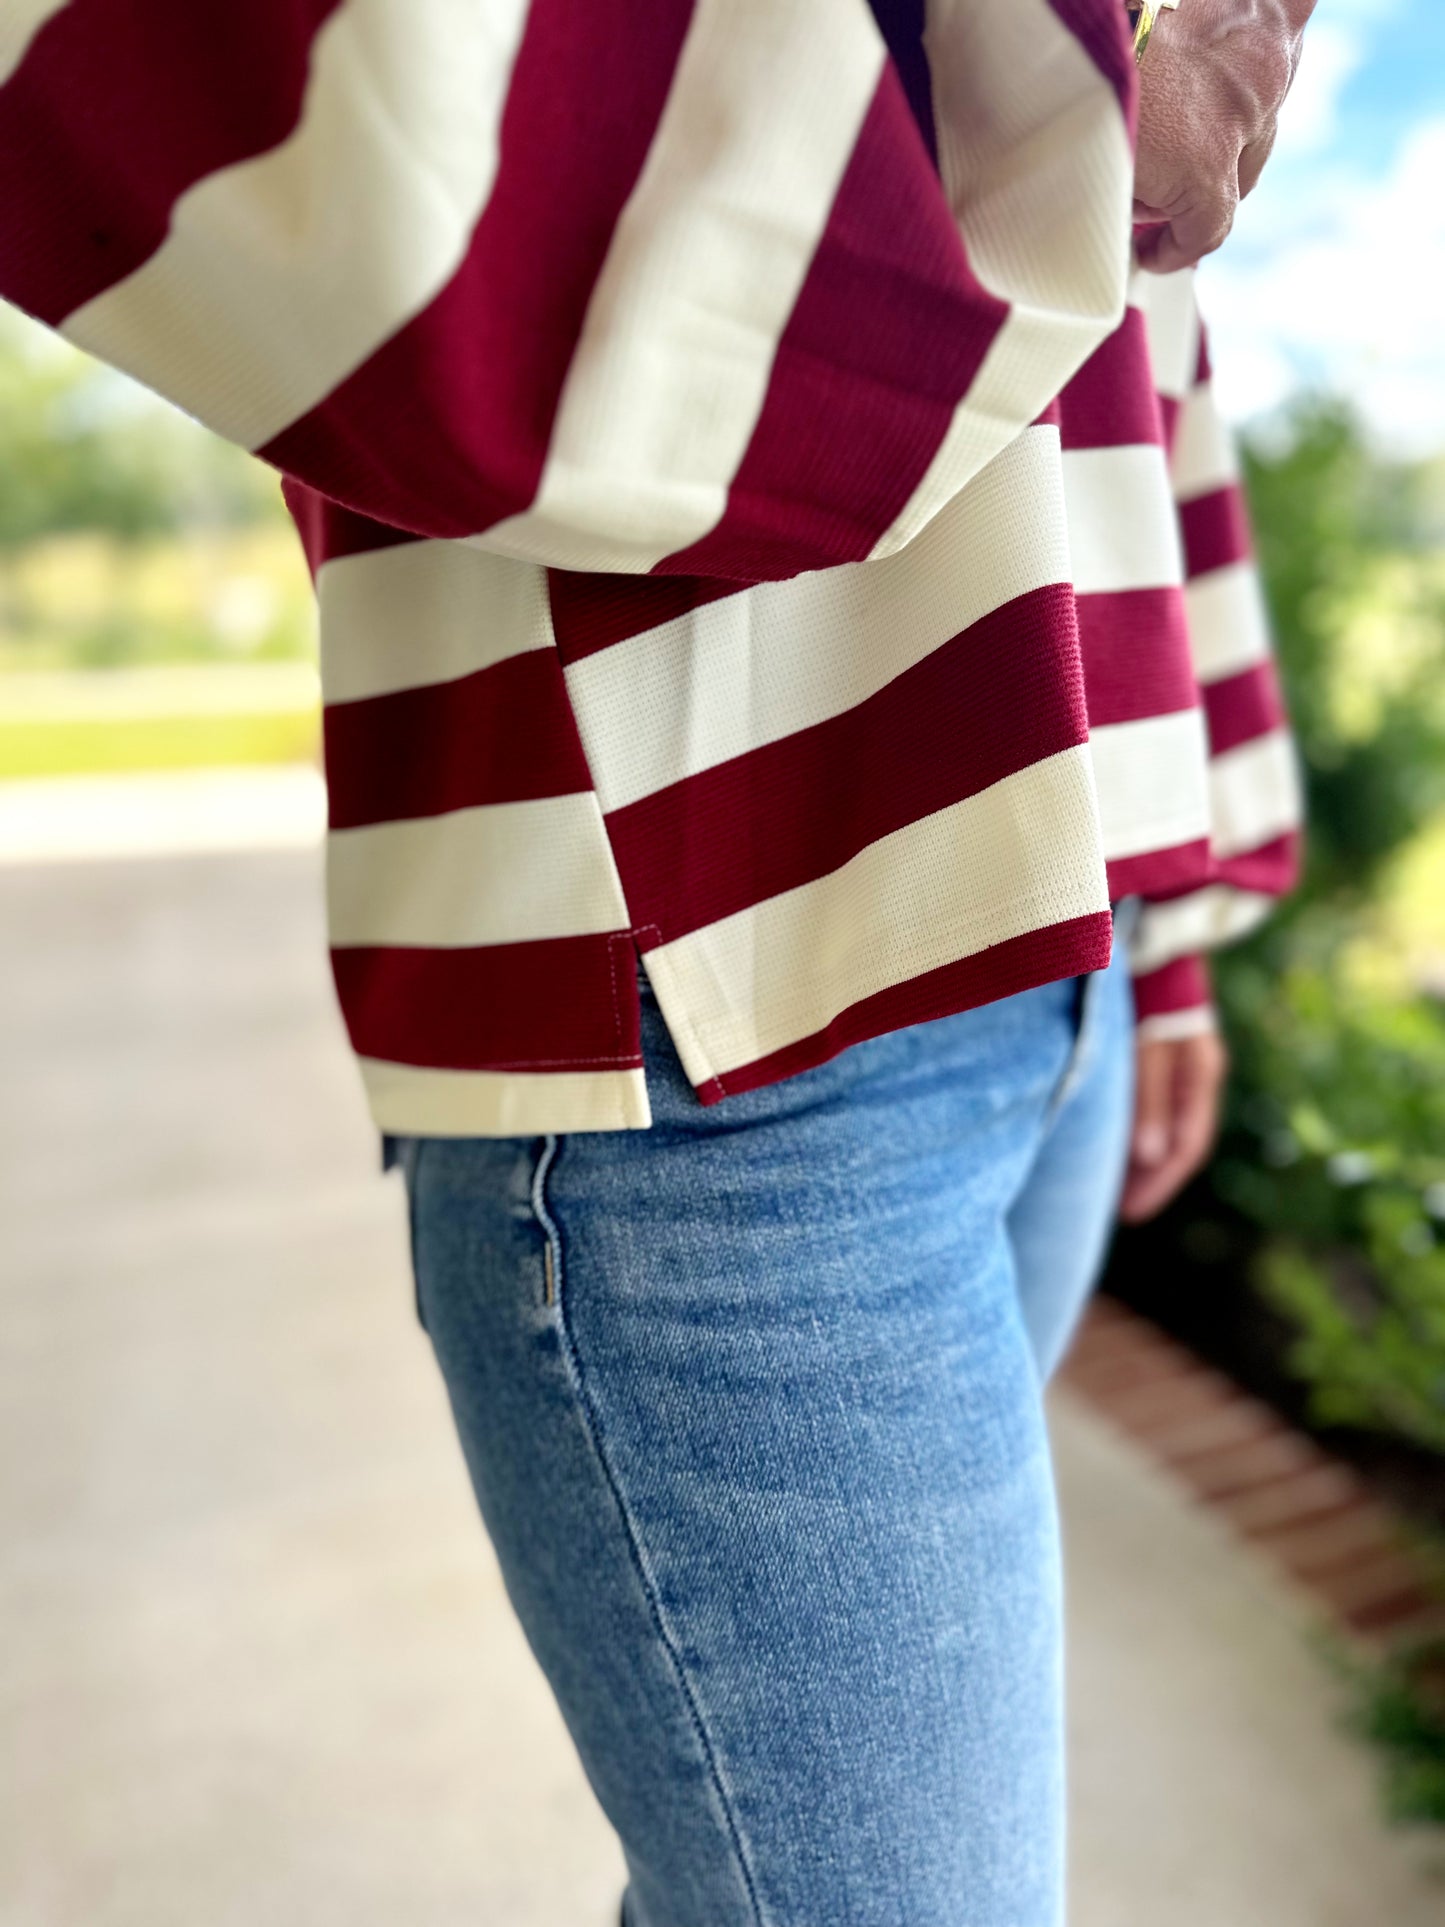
[[445, 428], [1135, 644], [504, 734], [328, 531], [1181, 985], [883, 342], [562, 1003], [115, 111], [1203, 372], [1100, 27], [1242, 707], [1111, 401], [1156, 873], [1039, 957], [1272, 869], [1215, 528], [591, 612], [1169, 407], [998, 697]]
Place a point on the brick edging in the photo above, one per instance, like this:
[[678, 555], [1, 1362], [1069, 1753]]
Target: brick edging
[[1314, 1519]]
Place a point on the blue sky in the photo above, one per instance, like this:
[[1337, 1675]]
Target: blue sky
[[1335, 272]]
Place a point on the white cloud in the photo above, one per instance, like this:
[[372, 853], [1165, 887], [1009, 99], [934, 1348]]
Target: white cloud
[[1333, 52], [1342, 287]]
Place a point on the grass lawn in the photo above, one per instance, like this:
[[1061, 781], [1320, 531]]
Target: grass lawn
[[71, 746], [185, 716]]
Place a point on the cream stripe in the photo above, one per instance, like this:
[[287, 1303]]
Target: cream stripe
[[670, 374], [1152, 782], [432, 1103], [1254, 794], [1228, 626], [1171, 1026], [281, 274], [1171, 319], [1004, 392], [1123, 532], [19, 24], [1028, 855], [504, 873], [755, 667], [1037, 164], [1201, 921], [1034, 156], [1203, 459], [424, 612]]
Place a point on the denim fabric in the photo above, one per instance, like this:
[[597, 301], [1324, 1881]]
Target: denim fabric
[[752, 1405]]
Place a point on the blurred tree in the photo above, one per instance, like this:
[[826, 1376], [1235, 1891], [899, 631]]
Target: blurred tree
[[82, 449], [1332, 523], [129, 536], [1400, 1705]]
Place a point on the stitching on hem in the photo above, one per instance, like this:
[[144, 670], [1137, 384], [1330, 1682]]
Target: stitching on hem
[[630, 1062], [620, 951], [546, 1163], [794, 1004], [713, 1085], [713, 1082]]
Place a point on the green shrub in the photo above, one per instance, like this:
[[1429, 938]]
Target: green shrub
[[1335, 1157], [1400, 1706], [1332, 1162]]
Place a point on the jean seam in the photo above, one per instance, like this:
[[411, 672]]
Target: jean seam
[[592, 1426], [551, 1145]]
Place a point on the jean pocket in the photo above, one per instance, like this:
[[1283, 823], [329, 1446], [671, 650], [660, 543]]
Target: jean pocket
[[1094, 1008], [1077, 1063], [405, 1153]]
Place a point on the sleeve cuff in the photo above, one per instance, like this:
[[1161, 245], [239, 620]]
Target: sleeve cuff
[[1174, 1001]]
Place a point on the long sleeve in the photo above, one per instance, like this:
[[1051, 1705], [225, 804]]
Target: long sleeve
[[1254, 791], [622, 286]]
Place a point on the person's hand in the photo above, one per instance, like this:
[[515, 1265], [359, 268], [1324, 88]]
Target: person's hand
[[1211, 85], [1176, 1116]]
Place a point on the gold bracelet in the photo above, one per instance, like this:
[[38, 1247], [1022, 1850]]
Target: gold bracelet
[[1142, 16]]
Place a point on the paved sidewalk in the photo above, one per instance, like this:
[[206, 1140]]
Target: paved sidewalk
[[75, 819], [256, 1666]]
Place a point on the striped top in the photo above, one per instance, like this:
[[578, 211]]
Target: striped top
[[710, 567]]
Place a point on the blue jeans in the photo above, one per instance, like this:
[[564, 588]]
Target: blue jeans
[[752, 1405]]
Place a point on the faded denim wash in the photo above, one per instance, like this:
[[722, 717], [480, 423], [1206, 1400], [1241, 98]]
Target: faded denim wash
[[752, 1405]]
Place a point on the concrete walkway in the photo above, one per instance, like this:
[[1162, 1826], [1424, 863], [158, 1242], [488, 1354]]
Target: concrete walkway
[[256, 1666]]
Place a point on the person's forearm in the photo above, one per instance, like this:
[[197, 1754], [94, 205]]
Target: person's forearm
[[1211, 86]]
